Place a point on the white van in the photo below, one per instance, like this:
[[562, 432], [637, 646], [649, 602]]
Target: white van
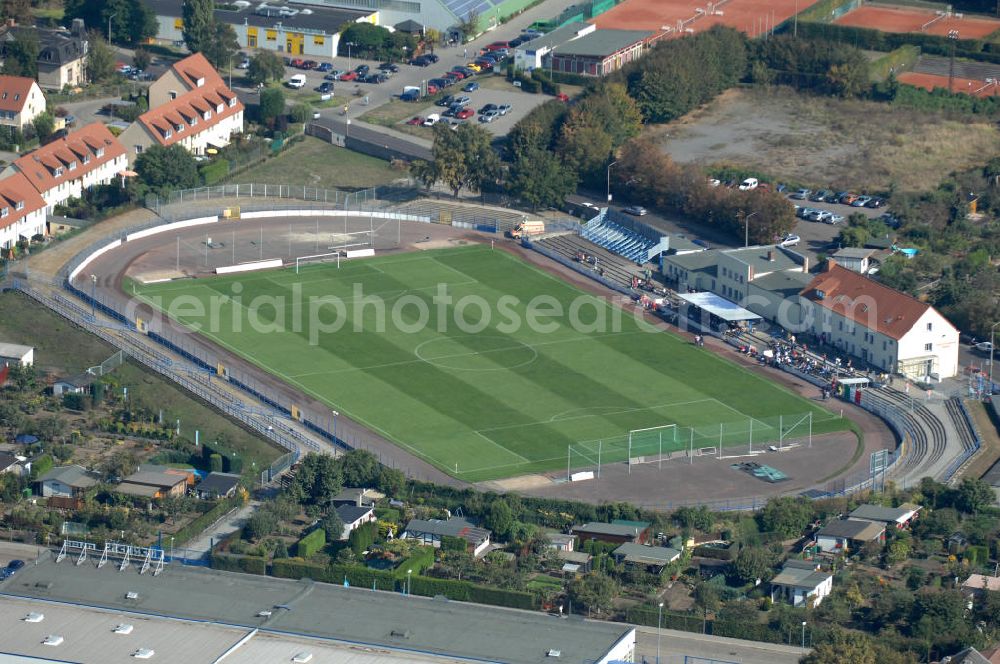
[[432, 120], [749, 184], [297, 81]]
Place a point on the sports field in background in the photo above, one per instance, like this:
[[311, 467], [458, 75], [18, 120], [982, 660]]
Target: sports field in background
[[489, 404]]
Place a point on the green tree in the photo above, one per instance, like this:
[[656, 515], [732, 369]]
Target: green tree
[[752, 563], [272, 104], [317, 480], [222, 45], [973, 495], [367, 40], [844, 646], [464, 158], [265, 66], [469, 26], [706, 597], [333, 525], [360, 468], [199, 24], [141, 59], [537, 176], [584, 146], [391, 481], [898, 551], [594, 592], [500, 519], [132, 21], [425, 172], [609, 107], [44, 125], [261, 524], [300, 112], [100, 59], [22, 55], [164, 169], [786, 515]]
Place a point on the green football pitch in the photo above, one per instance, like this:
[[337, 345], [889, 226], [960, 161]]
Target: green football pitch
[[481, 364]]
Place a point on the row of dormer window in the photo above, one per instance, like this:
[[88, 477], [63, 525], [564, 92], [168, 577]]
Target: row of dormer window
[[5, 211], [58, 171], [207, 115]]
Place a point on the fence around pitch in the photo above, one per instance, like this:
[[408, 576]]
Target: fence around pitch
[[254, 190]]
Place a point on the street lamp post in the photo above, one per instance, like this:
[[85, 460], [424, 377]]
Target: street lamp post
[[93, 295], [109, 27], [408, 573], [171, 549], [349, 63], [803, 634], [993, 328], [335, 415], [659, 628], [609, 179], [746, 229]]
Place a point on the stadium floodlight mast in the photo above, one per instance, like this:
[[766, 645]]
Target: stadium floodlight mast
[[335, 416]]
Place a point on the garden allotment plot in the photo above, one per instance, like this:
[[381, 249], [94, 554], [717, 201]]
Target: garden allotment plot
[[480, 400]]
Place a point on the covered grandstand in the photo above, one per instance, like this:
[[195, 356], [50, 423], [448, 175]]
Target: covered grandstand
[[620, 235]]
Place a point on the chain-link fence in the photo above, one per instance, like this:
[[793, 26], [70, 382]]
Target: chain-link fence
[[335, 197]]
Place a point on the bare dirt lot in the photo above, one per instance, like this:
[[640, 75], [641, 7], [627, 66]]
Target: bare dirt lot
[[825, 142]]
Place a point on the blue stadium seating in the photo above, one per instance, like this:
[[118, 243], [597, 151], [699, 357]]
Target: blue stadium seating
[[619, 240]]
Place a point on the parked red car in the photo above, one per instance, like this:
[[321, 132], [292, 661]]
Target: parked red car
[[297, 63], [349, 76], [415, 120], [465, 114]]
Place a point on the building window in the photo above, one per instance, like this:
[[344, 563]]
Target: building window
[[72, 165], [168, 134], [138, 149], [4, 212], [100, 152], [928, 347], [319, 41], [19, 205], [58, 172], [930, 326], [219, 109], [232, 102], [179, 128], [86, 159], [208, 115], [172, 94]]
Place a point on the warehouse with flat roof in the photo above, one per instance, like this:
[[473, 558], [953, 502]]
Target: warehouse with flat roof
[[425, 627]]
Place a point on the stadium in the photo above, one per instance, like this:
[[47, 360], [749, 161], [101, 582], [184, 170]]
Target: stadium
[[457, 355]]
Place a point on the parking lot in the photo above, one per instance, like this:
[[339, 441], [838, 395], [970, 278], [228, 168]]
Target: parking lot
[[520, 102]]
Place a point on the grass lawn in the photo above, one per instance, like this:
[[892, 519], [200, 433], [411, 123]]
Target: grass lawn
[[484, 395], [315, 163], [545, 582], [62, 347]]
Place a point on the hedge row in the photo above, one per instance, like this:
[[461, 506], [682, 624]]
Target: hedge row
[[231, 563], [199, 524], [363, 577], [870, 39], [311, 544]]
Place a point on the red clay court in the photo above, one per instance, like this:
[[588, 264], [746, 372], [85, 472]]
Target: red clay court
[[753, 17], [967, 86], [897, 19]]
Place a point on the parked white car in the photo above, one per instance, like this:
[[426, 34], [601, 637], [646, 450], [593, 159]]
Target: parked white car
[[790, 240], [297, 82], [432, 120], [749, 184]]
